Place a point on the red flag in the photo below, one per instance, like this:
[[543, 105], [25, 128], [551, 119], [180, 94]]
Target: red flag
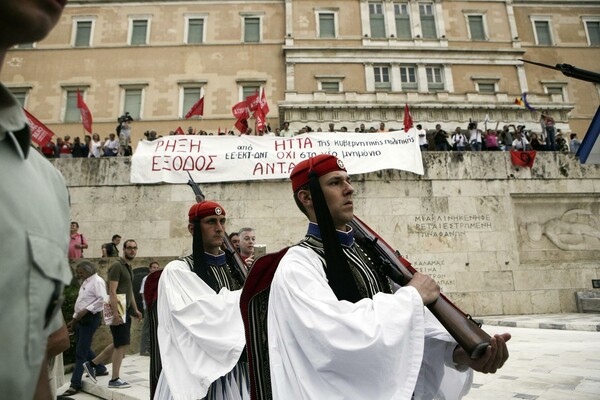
[[264, 106], [523, 158], [408, 122], [40, 133], [240, 110], [197, 108], [179, 131], [242, 125], [259, 116], [86, 115], [253, 101]]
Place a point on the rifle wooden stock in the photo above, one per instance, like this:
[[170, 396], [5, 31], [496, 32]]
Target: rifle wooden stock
[[461, 326]]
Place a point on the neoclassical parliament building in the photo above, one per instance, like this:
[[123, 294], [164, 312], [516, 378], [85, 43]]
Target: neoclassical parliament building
[[342, 61]]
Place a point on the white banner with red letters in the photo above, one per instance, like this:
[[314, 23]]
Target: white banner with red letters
[[243, 158]]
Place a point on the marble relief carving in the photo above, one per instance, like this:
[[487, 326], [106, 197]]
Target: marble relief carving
[[558, 229]]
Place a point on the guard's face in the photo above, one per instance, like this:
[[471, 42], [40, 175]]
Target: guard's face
[[213, 229], [338, 194]]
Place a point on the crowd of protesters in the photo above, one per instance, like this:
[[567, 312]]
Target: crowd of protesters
[[468, 138]]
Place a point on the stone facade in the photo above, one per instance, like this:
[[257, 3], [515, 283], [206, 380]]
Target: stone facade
[[499, 239]]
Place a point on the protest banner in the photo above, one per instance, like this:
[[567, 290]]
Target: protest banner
[[245, 158]]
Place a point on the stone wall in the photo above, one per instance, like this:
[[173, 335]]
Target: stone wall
[[499, 239]]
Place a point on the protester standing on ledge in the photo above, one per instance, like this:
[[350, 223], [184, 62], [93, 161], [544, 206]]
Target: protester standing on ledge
[[338, 328], [34, 224], [200, 330]]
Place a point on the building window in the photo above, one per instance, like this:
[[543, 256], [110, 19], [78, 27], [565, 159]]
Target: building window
[[427, 21], [133, 102], [72, 113], [326, 25], [554, 90], [435, 80], [195, 31], [83, 33], [20, 94], [191, 95], [402, 14], [251, 29], [382, 78], [249, 90], [542, 32], [25, 46], [592, 29], [486, 87], [476, 27], [330, 87], [408, 78], [139, 32], [377, 20]]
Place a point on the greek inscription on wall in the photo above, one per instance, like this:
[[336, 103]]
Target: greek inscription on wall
[[435, 269], [449, 225]]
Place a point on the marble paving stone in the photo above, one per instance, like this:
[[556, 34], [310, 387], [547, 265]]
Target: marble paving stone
[[525, 396], [545, 364]]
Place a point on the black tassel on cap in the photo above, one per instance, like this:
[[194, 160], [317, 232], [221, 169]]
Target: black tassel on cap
[[200, 265], [338, 272]]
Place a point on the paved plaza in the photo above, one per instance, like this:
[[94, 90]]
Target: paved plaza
[[552, 357]]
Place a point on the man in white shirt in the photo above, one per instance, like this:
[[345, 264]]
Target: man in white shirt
[[86, 319], [337, 327], [111, 146], [285, 130], [458, 140], [520, 142], [422, 134]]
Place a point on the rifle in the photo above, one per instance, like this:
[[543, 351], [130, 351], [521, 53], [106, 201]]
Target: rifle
[[227, 246], [571, 71], [461, 326]]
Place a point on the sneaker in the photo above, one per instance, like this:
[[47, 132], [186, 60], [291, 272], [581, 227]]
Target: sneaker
[[101, 372], [71, 391], [90, 370], [118, 384]]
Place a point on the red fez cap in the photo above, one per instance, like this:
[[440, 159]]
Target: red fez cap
[[205, 209], [321, 164]]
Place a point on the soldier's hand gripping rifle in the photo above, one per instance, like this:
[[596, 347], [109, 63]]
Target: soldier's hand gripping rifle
[[228, 247], [461, 326]]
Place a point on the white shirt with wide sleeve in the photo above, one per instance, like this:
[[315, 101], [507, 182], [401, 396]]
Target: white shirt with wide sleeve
[[322, 348], [200, 333], [92, 293]]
